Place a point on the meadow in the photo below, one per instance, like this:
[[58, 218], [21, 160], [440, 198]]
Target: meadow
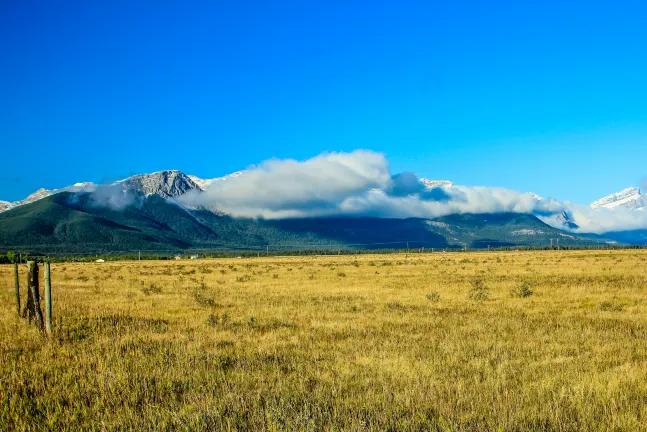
[[459, 341]]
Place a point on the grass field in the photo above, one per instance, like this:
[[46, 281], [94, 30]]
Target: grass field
[[462, 341]]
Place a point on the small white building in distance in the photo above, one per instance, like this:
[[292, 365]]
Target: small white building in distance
[[177, 257], [100, 260], [194, 257]]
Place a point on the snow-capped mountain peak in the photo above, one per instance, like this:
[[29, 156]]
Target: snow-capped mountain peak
[[630, 198], [430, 184], [202, 183], [38, 195], [205, 183], [167, 184], [535, 196]]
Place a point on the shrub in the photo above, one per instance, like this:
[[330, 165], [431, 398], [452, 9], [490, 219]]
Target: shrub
[[433, 296], [397, 306], [151, 289], [478, 291], [203, 300], [243, 278], [214, 320], [522, 290], [608, 306]]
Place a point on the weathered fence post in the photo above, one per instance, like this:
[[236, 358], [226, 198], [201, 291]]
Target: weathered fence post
[[27, 311], [48, 300], [17, 284], [33, 296]]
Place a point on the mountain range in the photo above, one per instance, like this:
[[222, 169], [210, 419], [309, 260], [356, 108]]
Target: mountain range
[[174, 183], [70, 219], [630, 198]]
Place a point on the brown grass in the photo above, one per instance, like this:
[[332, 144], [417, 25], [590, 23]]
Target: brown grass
[[335, 343]]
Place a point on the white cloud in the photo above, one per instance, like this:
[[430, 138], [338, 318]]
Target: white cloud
[[113, 197], [360, 183], [602, 220], [356, 183]]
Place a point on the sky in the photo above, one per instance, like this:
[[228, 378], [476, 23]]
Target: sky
[[546, 97]]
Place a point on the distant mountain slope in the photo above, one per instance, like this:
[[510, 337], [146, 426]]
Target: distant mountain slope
[[38, 195], [74, 222], [365, 232], [504, 229], [51, 221], [163, 223], [638, 237]]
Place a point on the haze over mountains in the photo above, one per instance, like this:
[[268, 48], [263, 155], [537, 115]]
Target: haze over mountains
[[314, 202]]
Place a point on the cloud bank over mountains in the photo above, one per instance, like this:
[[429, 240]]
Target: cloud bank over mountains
[[601, 220], [359, 183]]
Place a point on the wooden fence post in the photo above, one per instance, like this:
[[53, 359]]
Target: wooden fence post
[[27, 311], [48, 299], [17, 284], [33, 306]]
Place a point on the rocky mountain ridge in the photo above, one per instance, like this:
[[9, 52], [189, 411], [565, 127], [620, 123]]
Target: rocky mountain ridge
[[166, 184], [630, 198]]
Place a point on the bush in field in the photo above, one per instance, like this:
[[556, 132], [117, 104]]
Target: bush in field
[[521, 290], [214, 319], [607, 306], [433, 297], [151, 289], [478, 290], [204, 300]]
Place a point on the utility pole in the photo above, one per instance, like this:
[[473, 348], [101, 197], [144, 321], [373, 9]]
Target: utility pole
[[267, 250], [557, 244], [140, 255], [551, 243]]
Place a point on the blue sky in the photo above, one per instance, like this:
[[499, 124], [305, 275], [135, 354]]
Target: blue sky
[[547, 97]]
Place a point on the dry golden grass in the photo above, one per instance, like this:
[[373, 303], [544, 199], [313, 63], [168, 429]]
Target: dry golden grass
[[463, 341]]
